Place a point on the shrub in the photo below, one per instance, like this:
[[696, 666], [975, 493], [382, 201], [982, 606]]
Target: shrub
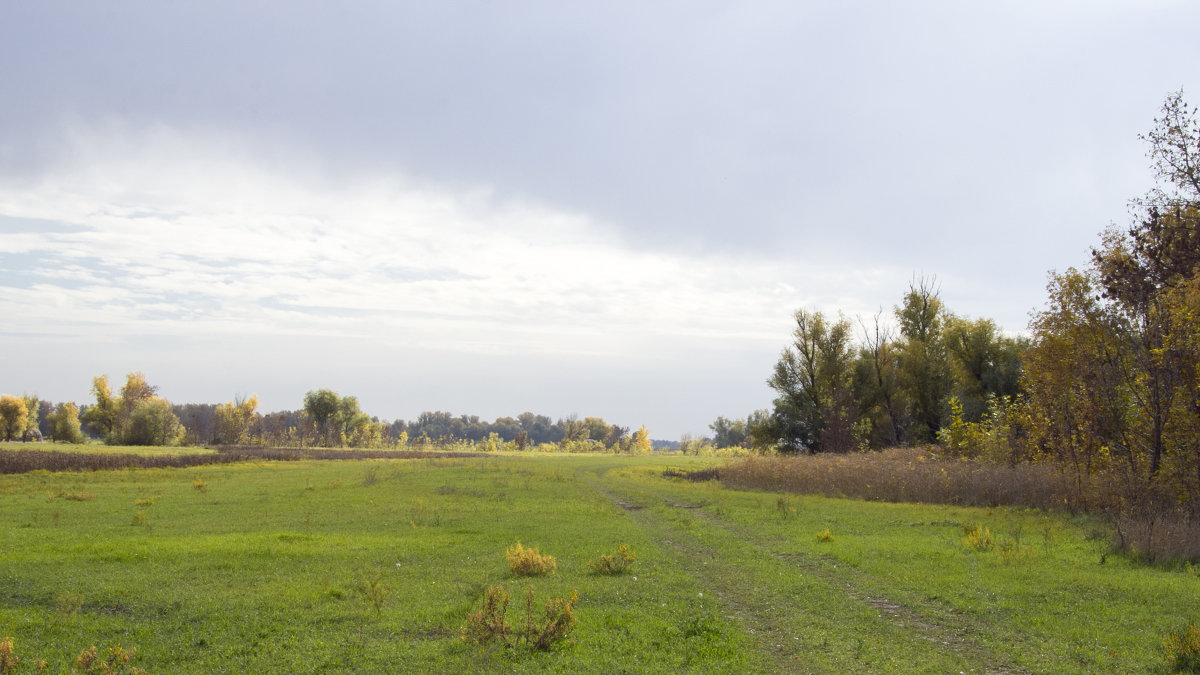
[[375, 592], [67, 604], [1183, 649], [491, 621], [8, 660], [784, 506], [617, 563], [117, 661], [979, 538], [529, 561]]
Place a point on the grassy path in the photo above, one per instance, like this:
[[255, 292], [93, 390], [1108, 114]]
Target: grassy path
[[784, 599]]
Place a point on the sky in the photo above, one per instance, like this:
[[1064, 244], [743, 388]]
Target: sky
[[592, 209]]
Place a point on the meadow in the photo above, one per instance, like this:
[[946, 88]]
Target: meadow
[[375, 565]]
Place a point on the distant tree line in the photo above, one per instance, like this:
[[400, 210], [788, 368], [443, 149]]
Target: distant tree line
[[136, 415]]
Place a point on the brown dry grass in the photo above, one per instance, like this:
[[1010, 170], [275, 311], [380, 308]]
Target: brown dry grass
[[909, 475], [1149, 527], [24, 461]]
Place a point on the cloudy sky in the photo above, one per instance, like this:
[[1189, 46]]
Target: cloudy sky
[[602, 209]]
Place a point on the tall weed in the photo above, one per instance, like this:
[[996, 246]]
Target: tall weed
[[491, 621]]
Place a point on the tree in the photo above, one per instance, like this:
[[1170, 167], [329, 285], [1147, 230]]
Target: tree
[[983, 363], [728, 433], [101, 418], [641, 442], [152, 422], [32, 407], [877, 385], [135, 391], [322, 406], [233, 421], [13, 413], [64, 424], [815, 410], [1112, 375], [924, 376]]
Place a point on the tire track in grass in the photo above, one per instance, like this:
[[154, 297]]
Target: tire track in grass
[[784, 608]]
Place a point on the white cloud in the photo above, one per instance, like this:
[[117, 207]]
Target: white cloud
[[184, 233]]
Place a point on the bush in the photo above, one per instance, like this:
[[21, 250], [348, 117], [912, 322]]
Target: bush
[[491, 621], [617, 563], [529, 561], [1183, 649]]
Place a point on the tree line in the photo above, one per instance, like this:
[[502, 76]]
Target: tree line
[[136, 415], [1107, 381]]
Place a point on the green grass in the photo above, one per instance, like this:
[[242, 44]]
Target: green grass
[[264, 569]]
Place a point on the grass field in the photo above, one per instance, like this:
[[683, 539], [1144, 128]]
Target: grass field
[[373, 566]]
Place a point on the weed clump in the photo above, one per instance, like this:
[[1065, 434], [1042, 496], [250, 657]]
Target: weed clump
[[375, 592], [529, 561], [117, 661], [67, 604], [825, 536], [1183, 649], [491, 621], [979, 538], [616, 563], [8, 660]]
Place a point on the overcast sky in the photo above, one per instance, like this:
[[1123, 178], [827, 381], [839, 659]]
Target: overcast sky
[[605, 209]]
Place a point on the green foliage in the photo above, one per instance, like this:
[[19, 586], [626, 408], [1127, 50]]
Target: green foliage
[[152, 422], [322, 406], [729, 433], [815, 410], [924, 372]]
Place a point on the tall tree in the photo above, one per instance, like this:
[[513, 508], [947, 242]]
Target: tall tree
[[1112, 375], [64, 424], [233, 421], [322, 406], [101, 418], [815, 410], [924, 375]]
